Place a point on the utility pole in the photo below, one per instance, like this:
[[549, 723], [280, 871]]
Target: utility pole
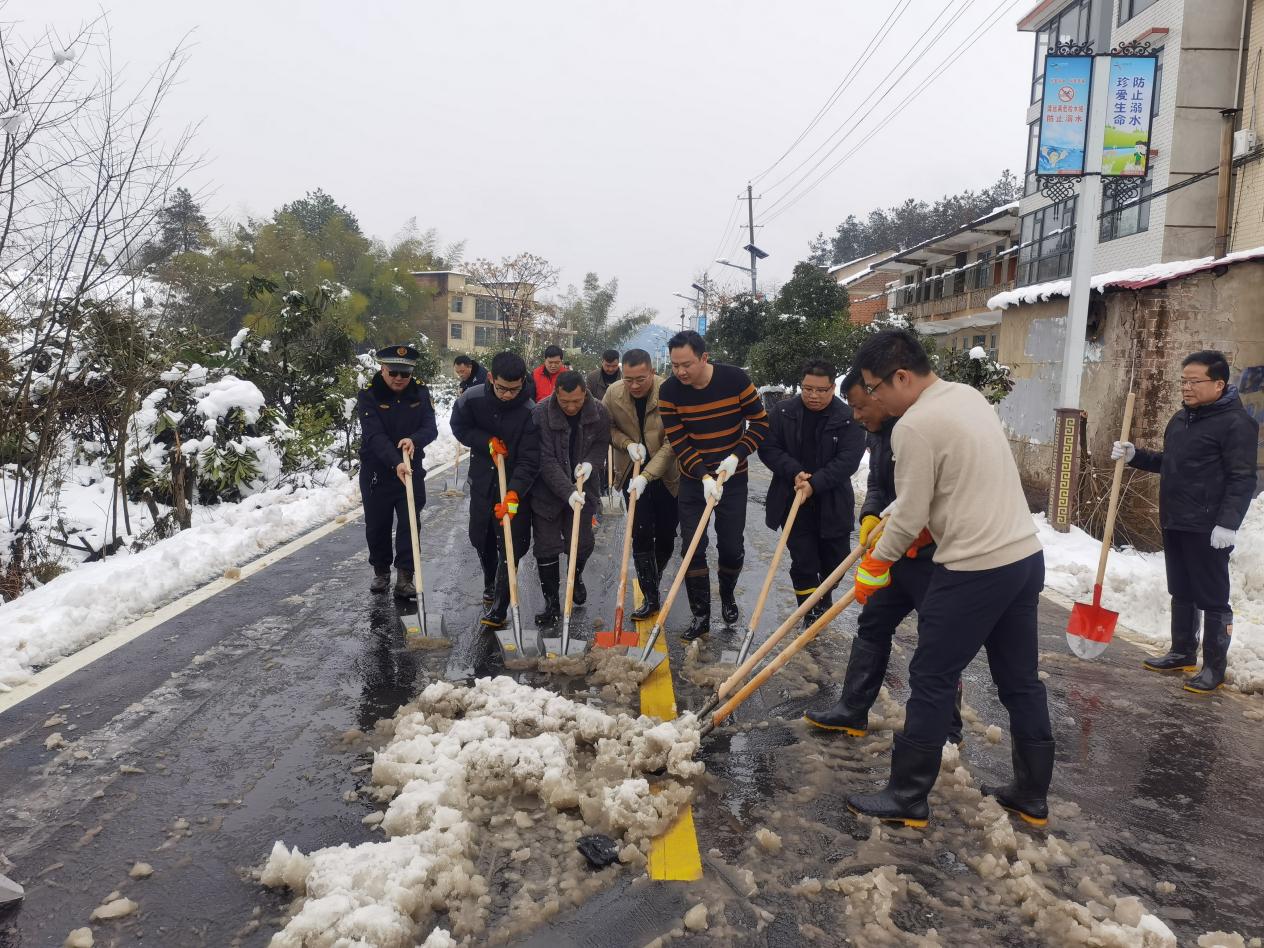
[[750, 220], [682, 319]]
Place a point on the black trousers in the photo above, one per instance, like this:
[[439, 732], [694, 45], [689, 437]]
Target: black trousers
[[728, 520], [657, 518], [1195, 572], [386, 508], [553, 532], [812, 556], [492, 549], [996, 609], [889, 606]]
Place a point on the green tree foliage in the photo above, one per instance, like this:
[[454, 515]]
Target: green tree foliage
[[182, 228], [315, 210], [811, 294], [589, 312], [911, 222], [743, 321], [810, 322]]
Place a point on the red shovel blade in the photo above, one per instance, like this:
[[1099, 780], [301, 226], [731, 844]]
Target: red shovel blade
[[1090, 627], [612, 639]]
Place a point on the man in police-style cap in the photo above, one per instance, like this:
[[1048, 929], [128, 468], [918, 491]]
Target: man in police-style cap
[[397, 417]]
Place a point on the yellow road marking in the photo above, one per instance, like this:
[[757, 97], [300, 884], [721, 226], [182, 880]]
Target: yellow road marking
[[673, 856]]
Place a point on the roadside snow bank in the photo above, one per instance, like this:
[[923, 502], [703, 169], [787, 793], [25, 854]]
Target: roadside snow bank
[[1136, 588], [490, 786]]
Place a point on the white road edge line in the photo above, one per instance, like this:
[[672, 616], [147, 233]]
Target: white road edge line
[[67, 666]]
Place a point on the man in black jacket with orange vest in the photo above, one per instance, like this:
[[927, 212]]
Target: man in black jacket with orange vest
[[814, 446], [397, 417], [1207, 478]]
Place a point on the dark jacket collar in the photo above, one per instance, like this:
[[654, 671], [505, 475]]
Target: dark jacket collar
[[836, 413], [1229, 400]]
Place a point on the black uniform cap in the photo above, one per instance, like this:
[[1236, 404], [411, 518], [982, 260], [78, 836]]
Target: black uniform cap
[[403, 356]]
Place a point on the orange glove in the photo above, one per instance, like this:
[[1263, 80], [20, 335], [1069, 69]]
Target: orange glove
[[871, 575], [507, 506], [495, 447], [923, 539]]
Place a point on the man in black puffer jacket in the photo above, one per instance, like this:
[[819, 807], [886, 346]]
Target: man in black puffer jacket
[[396, 416], [1207, 478]]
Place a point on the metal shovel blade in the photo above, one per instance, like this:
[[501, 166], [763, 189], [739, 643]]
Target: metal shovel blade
[[1090, 627], [427, 625], [736, 656]]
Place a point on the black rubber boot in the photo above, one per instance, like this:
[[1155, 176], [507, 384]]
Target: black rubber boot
[[1183, 656], [698, 589], [404, 587], [819, 609], [914, 769], [1217, 633], [956, 732], [580, 595], [550, 573], [381, 580], [494, 614], [489, 577], [728, 596], [647, 579], [1027, 794], [866, 668]]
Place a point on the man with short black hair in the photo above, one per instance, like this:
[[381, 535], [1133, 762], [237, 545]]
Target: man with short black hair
[[636, 428], [958, 485], [397, 418], [574, 433], [545, 375], [813, 447], [495, 419], [601, 378], [1207, 478], [715, 420], [468, 372]]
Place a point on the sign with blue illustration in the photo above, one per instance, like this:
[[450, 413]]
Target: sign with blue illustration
[[1126, 145], [1064, 115]]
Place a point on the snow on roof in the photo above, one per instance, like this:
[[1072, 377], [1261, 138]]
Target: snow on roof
[[1135, 278]]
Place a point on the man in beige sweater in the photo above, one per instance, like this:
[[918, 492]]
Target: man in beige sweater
[[956, 477]]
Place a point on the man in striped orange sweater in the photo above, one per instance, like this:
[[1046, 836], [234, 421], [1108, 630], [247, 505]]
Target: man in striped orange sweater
[[715, 420]]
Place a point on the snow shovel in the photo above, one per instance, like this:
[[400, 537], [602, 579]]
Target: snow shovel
[[555, 647], [787, 653], [649, 658], [427, 624], [454, 489], [617, 635], [1090, 627], [513, 641], [608, 501], [730, 657], [729, 684]]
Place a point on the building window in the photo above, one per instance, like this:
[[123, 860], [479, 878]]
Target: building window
[[992, 348], [1130, 8], [1133, 217], [486, 336], [458, 304], [1158, 81], [454, 330], [1046, 236], [486, 308], [983, 271], [1072, 25], [1033, 151]]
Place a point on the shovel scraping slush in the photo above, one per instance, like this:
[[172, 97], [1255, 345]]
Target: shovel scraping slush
[[1091, 627]]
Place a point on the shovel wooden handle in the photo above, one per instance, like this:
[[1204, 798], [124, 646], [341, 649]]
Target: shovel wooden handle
[[505, 522], [758, 612], [621, 598], [570, 559], [414, 534], [1112, 508]]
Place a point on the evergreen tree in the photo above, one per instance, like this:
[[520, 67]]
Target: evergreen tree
[[743, 321], [182, 228], [810, 293], [315, 210], [589, 312]]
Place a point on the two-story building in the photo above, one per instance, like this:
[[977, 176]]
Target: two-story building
[[466, 317]]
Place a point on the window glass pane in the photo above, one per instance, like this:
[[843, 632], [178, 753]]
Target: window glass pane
[[1158, 83]]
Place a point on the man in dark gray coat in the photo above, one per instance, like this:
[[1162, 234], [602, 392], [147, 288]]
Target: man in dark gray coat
[[574, 434]]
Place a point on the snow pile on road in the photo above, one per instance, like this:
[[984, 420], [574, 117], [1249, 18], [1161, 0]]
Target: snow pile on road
[[1136, 588], [490, 786]]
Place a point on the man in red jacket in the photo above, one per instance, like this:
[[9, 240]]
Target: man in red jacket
[[545, 375]]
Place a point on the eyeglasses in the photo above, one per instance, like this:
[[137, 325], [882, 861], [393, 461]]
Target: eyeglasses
[[870, 389], [818, 389], [404, 374], [1183, 382], [506, 390]]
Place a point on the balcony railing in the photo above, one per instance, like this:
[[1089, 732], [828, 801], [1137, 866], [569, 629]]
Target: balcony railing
[[967, 301]]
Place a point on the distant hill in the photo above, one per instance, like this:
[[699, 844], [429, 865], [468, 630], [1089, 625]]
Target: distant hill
[[651, 338]]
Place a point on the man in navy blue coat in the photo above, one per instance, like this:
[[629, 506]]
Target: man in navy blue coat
[[397, 417]]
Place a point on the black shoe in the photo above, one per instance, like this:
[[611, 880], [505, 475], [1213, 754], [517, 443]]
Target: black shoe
[[1183, 655], [552, 613], [866, 668], [381, 581], [489, 593], [494, 614], [956, 732], [1217, 633], [550, 575], [489, 577], [1027, 794], [914, 769], [579, 595], [647, 579], [404, 588], [698, 589], [819, 609], [728, 599]]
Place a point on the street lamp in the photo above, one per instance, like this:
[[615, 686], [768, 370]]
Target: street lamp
[[735, 266]]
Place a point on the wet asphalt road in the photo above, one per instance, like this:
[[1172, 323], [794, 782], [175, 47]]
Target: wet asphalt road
[[237, 723]]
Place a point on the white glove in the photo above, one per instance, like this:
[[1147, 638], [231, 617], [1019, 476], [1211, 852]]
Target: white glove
[[712, 489], [1222, 538], [637, 486], [637, 452], [1123, 449], [728, 466], [576, 500], [583, 469]]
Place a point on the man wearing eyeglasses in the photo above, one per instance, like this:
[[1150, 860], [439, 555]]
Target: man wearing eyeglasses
[[955, 478], [1206, 481], [813, 447], [397, 418], [495, 419]]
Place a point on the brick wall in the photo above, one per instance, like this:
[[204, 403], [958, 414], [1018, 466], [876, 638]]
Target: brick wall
[[864, 310], [1248, 194]]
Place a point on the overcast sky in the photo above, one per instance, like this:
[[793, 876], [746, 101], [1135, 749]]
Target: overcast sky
[[605, 137]]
